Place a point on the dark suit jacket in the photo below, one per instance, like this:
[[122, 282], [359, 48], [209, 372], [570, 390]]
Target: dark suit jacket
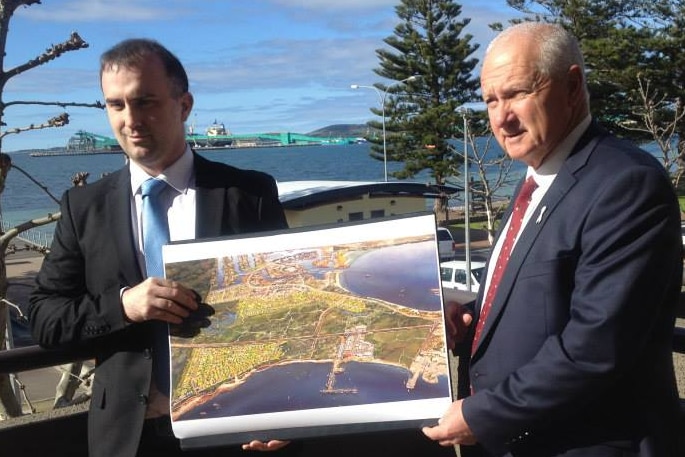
[[576, 353], [93, 256]]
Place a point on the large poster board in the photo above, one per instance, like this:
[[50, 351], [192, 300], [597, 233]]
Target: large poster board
[[326, 331]]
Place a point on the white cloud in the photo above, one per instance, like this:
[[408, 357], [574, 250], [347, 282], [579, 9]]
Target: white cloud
[[101, 10], [284, 64]]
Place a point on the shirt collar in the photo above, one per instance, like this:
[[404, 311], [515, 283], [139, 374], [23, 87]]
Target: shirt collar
[[177, 175]]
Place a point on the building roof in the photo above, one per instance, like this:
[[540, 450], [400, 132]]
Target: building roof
[[303, 194]]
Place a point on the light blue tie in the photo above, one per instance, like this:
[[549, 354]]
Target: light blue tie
[[156, 235], [155, 226]]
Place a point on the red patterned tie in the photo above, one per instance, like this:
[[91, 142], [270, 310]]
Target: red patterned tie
[[520, 206]]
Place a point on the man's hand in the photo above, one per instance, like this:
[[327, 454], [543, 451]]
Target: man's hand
[[194, 323], [458, 319], [452, 429], [159, 299], [272, 445]]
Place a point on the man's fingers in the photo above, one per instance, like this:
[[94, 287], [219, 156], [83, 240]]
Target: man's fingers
[[432, 432], [159, 299], [272, 445]]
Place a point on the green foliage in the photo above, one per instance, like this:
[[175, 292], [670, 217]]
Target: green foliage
[[429, 42]]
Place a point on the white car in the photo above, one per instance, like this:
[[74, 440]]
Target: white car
[[446, 245], [453, 274]]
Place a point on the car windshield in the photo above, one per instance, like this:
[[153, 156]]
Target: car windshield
[[478, 274], [445, 273], [444, 235]]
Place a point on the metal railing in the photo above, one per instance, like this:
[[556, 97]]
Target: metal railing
[[34, 236]]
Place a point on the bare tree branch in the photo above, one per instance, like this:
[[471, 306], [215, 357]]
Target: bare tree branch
[[57, 121], [74, 43], [11, 5], [97, 104], [494, 174], [659, 117], [13, 232], [14, 4]]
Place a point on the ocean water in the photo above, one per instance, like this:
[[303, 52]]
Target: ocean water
[[35, 183], [26, 198], [22, 197]]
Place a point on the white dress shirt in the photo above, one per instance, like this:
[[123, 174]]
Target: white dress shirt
[[179, 196]]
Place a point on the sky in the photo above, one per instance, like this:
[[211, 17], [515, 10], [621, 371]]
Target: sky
[[254, 65]]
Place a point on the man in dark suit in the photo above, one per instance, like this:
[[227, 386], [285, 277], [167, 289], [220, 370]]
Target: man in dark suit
[[573, 356], [93, 290]]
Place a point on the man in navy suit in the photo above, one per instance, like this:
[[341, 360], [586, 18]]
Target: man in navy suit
[[92, 290], [574, 357]]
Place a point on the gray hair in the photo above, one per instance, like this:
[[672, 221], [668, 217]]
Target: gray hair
[[558, 49]]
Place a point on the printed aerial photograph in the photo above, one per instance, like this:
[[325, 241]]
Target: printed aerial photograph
[[357, 323]]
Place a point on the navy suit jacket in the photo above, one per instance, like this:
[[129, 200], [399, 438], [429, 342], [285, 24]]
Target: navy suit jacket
[[576, 353], [93, 256]]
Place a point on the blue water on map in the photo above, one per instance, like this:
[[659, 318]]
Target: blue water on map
[[385, 273], [299, 386]]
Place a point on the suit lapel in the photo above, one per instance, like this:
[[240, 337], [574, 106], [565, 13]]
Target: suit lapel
[[209, 207], [210, 200], [562, 184], [120, 223]]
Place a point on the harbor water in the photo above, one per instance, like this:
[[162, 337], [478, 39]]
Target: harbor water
[[376, 383], [23, 199]]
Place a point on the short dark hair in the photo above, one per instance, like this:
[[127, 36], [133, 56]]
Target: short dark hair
[[133, 52]]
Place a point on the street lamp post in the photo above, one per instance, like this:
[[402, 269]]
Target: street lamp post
[[381, 98], [465, 112], [467, 232]]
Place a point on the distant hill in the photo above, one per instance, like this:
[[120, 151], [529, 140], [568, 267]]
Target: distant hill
[[341, 130]]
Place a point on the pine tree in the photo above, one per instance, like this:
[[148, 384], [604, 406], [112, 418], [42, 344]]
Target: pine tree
[[420, 117], [635, 65]]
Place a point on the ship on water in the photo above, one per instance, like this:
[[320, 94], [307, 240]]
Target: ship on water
[[216, 136]]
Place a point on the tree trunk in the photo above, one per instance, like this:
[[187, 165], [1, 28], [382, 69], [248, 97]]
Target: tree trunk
[[9, 405]]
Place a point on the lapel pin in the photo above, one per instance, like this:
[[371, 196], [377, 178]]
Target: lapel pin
[[542, 211]]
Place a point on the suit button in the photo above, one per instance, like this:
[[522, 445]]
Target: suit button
[[142, 399]]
